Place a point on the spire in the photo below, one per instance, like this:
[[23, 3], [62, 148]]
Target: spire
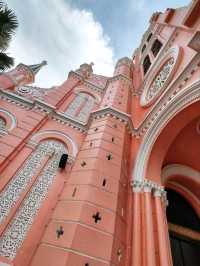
[[23, 74], [36, 68]]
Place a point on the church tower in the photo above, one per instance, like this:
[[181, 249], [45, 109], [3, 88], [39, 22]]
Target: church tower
[[105, 170]]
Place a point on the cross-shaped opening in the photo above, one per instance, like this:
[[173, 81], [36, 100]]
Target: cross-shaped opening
[[97, 217], [59, 231]]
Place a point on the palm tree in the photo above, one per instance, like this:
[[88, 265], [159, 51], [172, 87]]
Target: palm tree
[[8, 25]]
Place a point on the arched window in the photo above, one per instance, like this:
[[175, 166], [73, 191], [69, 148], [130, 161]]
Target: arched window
[[149, 37], [143, 48], [157, 45], [81, 107], [146, 64], [15, 233]]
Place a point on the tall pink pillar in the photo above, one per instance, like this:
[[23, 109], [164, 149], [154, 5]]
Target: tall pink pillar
[[163, 239], [149, 236], [137, 230]]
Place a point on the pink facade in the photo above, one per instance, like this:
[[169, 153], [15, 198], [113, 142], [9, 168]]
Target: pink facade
[[129, 139]]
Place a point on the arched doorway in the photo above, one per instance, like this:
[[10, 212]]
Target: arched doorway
[[181, 177], [184, 230], [172, 139]]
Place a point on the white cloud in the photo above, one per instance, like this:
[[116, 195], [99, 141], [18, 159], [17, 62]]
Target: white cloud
[[64, 36]]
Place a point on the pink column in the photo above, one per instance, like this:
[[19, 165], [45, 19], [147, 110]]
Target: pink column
[[137, 237], [149, 236], [129, 230], [162, 229]]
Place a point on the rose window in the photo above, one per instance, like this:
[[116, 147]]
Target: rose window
[[160, 76], [160, 79], [24, 90]]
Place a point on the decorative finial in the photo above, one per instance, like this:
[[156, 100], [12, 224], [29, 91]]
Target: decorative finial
[[35, 68], [44, 63]]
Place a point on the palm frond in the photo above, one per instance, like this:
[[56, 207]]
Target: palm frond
[[5, 61], [8, 25]]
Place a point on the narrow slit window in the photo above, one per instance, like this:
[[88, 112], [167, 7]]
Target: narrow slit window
[[143, 48], [149, 37], [157, 45], [104, 183], [146, 64], [74, 192]]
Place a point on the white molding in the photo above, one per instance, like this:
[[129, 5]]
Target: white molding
[[179, 169], [168, 95], [123, 117], [183, 99], [56, 133], [12, 118]]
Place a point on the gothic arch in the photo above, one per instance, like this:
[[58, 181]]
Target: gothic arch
[[54, 134], [186, 98]]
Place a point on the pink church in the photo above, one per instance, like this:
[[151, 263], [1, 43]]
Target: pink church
[[105, 171]]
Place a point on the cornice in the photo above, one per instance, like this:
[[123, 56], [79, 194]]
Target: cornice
[[111, 111], [64, 119], [90, 84], [118, 77], [16, 99]]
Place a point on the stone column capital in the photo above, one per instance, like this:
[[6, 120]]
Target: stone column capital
[[146, 185]]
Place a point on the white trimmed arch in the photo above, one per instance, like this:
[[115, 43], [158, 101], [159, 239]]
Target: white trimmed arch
[[184, 98], [11, 121], [59, 135]]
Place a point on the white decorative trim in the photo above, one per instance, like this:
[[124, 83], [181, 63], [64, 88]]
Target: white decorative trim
[[183, 99], [147, 185], [67, 120], [56, 133], [12, 118], [168, 96], [15, 233], [174, 53], [179, 169], [123, 117]]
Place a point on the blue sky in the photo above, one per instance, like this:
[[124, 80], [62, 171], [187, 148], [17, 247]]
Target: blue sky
[[68, 33]]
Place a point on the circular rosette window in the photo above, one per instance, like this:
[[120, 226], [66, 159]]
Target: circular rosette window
[[158, 80], [24, 90]]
